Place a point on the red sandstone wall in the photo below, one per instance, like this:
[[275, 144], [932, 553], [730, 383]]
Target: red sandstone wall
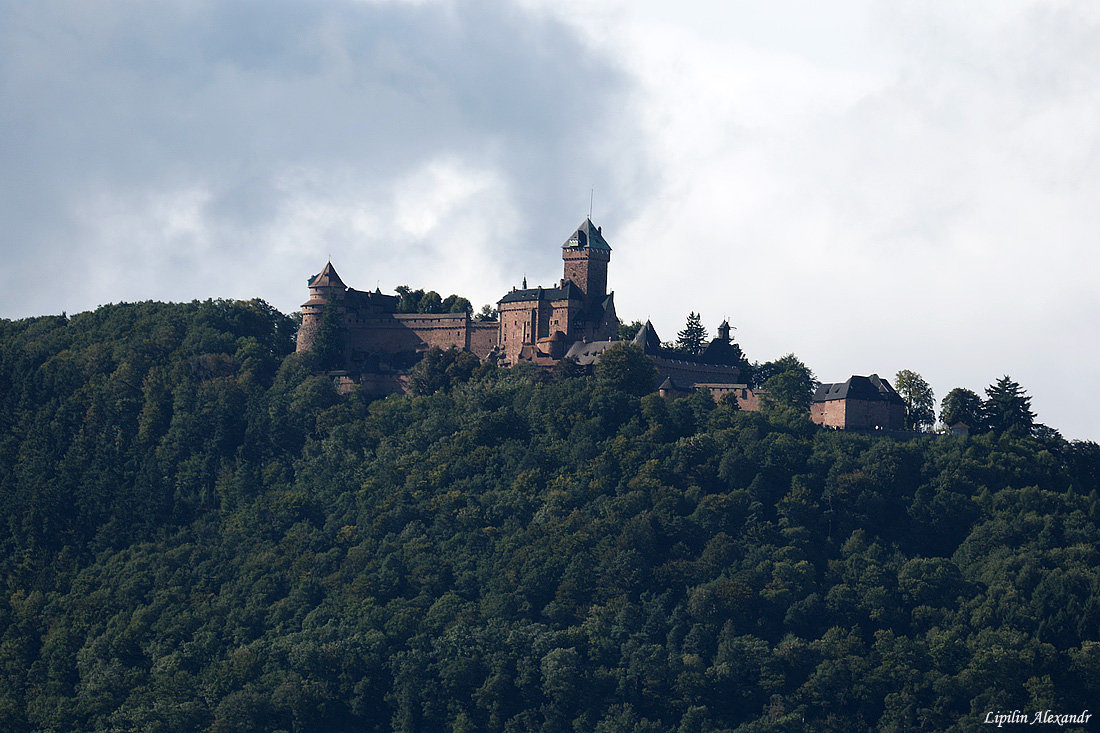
[[483, 337], [392, 334], [514, 321], [307, 333], [864, 415], [384, 335], [858, 414], [831, 414], [747, 400], [438, 329]]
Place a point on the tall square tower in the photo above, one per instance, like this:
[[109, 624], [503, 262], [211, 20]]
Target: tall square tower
[[586, 255]]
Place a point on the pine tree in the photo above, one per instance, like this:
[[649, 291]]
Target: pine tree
[[694, 335], [1008, 407]]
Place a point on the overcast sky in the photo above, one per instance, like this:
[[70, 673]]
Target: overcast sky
[[872, 186]]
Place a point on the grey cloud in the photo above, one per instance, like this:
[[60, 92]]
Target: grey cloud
[[128, 97]]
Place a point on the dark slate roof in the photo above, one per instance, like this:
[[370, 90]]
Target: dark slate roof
[[595, 312], [568, 291], [587, 353], [870, 389], [587, 236], [724, 330], [360, 298], [720, 351], [887, 390], [647, 338]]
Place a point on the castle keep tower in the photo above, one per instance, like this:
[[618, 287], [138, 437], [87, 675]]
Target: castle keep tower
[[586, 255], [540, 324]]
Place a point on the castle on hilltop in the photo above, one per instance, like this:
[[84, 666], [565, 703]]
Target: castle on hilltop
[[377, 345], [537, 324], [540, 325]]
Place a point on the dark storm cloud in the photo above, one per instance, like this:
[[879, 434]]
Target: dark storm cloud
[[117, 101]]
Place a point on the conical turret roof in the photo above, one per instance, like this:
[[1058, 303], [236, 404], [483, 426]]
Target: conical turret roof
[[327, 278]]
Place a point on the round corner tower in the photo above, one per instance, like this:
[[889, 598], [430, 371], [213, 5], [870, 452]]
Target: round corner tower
[[324, 287]]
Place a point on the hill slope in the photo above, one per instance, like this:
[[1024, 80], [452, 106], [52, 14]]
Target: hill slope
[[201, 535]]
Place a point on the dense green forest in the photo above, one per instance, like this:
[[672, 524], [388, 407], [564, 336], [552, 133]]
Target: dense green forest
[[199, 534]]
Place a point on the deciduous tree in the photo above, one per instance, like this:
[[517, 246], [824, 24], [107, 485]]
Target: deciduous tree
[[625, 367], [919, 401], [627, 331], [331, 336], [963, 405], [790, 383]]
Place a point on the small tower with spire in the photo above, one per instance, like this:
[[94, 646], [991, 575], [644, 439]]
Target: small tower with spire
[[724, 331]]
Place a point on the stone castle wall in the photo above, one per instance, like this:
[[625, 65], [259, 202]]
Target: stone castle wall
[[688, 374], [858, 414], [830, 414], [747, 400], [438, 329], [516, 328], [307, 333], [483, 338]]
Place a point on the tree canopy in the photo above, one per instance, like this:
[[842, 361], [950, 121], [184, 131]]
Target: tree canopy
[[200, 534], [418, 301], [1007, 408], [787, 383], [330, 343], [627, 331], [625, 367]]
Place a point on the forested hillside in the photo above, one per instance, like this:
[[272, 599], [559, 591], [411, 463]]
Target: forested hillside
[[201, 535]]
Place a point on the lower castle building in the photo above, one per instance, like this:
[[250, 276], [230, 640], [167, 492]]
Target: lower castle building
[[717, 369], [861, 403]]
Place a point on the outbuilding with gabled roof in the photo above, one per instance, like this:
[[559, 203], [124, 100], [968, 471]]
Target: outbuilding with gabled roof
[[860, 403]]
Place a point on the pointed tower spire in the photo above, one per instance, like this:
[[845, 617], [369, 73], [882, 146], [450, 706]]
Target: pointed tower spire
[[647, 338], [326, 278]]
